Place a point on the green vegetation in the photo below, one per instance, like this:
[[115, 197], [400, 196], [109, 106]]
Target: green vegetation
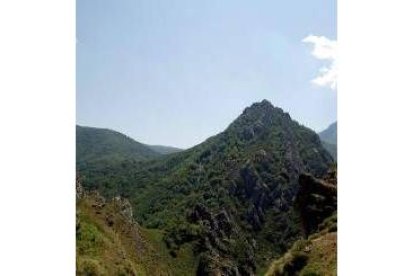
[[108, 242], [226, 204], [98, 145]]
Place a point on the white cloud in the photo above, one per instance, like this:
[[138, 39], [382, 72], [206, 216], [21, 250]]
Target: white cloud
[[324, 49]]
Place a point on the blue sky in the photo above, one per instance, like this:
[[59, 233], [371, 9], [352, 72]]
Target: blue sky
[[176, 72]]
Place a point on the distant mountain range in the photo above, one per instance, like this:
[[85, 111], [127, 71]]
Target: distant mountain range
[[229, 201], [164, 149], [329, 139], [329, 134]]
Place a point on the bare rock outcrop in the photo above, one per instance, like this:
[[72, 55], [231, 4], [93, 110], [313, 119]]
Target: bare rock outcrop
[[316, 200]]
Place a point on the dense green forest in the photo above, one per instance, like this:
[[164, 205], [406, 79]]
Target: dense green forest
[[98, 145], [229, 200]]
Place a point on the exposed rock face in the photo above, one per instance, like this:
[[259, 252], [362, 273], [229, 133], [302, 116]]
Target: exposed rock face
[[261, 195], [221, 230], [124, 208], [211, 265], [215, 244], [121, 205], [219, 225], [316, 200], [316, 254], [258, 194]]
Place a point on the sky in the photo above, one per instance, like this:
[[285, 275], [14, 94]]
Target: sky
[[175, 72]]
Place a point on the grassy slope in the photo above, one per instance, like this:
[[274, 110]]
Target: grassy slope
[[122, 248], [315, 256]]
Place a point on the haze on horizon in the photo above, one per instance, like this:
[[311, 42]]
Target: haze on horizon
[[177, 72]]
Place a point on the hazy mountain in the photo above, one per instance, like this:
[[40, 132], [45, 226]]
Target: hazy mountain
[[230, 198], [329, 139], [331, 148], [329, 134], [164, 149]]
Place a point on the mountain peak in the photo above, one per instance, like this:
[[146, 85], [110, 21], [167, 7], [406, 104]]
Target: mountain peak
[[262, 111], [241, 180], [263, 107], [264, 104]]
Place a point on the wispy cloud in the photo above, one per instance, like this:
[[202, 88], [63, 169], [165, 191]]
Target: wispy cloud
[[324, 49]]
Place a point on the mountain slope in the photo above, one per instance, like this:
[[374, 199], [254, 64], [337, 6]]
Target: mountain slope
[[100, 145], [110, 242], [313, 256], [231, 197], [329, 139]]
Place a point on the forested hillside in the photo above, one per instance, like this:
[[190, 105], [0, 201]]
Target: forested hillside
[[229, 199]]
